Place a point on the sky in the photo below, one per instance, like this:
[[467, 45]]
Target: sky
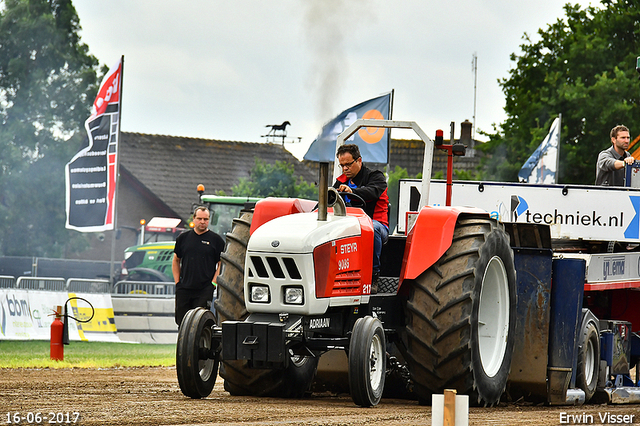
[[227, 69]]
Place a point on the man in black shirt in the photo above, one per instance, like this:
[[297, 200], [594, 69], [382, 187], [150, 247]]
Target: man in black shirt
[[195, 265]]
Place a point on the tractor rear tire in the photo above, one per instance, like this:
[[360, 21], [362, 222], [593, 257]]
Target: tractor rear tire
[[461, 316], [367, 361], [196, 371], [588, 361], [239, 379]]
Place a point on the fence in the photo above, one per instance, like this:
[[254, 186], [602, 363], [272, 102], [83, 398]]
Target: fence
[[145, 318], [7, 281], [23, 266], [145, 287], [41, 283], [73, 285], [81, 285], [143, 311]]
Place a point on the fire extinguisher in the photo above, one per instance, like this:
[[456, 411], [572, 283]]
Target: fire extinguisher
[[60, 328], [57, 330]]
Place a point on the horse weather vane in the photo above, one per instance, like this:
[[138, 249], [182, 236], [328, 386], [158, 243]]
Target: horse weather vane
[[278, 131]]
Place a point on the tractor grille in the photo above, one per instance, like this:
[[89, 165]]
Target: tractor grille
[[165, 256], [347, 284], [275, 267]]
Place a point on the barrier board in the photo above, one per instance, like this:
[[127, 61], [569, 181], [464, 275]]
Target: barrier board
[[596, 213], [27, 315]]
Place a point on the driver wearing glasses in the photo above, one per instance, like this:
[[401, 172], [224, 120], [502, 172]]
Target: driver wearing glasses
[[371, 186]]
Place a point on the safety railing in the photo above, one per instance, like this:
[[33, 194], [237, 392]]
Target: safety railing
[[41, 283], [7, 281], [82, 285], [144, 288]]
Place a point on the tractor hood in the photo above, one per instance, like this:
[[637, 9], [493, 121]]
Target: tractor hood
[[301, 233]]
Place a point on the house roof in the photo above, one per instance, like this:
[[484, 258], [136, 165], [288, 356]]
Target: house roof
[[170, 167]]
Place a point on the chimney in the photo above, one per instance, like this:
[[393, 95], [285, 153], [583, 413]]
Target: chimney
[[465, 132], [465, 138]]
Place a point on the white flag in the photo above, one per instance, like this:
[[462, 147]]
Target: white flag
[[542, 166]]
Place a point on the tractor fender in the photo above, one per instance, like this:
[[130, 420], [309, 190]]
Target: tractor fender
[[430, 238], [271, 208]]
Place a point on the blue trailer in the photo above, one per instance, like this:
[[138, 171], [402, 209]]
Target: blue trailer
[[578, 268], [574, 340]]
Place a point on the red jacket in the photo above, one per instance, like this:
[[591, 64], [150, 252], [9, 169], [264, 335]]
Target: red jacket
[[371, 186]]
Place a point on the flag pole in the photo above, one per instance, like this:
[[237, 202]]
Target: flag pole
[[117, 173], [393, 92], [558, 151]]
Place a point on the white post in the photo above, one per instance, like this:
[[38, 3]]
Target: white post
[[450, 409]]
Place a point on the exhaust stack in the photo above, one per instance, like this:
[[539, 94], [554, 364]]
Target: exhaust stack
[[323, 191]]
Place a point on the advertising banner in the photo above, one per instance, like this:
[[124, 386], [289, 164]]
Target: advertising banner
[[596, 213], [28, 314]]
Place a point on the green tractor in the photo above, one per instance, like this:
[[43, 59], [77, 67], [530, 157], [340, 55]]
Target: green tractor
[[151, 259]]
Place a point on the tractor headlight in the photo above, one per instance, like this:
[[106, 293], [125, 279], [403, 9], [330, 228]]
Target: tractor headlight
[[260, 294], [293, 296]]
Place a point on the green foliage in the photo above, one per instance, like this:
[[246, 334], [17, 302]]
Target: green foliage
[[274, 180], [36, 354], [459, 175], [393, 189], [583, 67], [466, 175], [393, 184], [47, 84]]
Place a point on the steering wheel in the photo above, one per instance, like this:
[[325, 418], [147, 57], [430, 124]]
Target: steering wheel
[[360, 201]]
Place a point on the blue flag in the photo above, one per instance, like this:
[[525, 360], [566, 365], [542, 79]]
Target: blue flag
[[542, 166], [372, 141]]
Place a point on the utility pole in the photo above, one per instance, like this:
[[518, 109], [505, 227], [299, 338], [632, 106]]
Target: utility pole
[[474, 69]]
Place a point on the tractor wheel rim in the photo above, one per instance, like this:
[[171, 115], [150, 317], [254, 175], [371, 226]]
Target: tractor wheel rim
[[375, 362], [493, 316], [589, 361], [205, 366], [297, 360]]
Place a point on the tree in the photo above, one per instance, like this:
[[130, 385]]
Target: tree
[[274, 180], [47, 83], [583, 67], [393, 190]]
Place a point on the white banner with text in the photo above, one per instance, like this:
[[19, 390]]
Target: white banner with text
[[28, 314]]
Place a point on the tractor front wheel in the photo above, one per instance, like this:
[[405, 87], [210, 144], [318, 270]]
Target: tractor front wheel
[[367, 361], [196, 365]]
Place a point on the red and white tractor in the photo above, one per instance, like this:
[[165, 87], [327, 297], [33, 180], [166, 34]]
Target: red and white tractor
[[296, 283]]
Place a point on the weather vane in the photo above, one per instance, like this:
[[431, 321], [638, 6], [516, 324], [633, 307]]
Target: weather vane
[[279, 131]]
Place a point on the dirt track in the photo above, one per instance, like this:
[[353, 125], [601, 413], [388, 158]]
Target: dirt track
[[151, 396]]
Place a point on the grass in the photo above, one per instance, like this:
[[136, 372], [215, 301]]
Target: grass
[[78, 354]]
